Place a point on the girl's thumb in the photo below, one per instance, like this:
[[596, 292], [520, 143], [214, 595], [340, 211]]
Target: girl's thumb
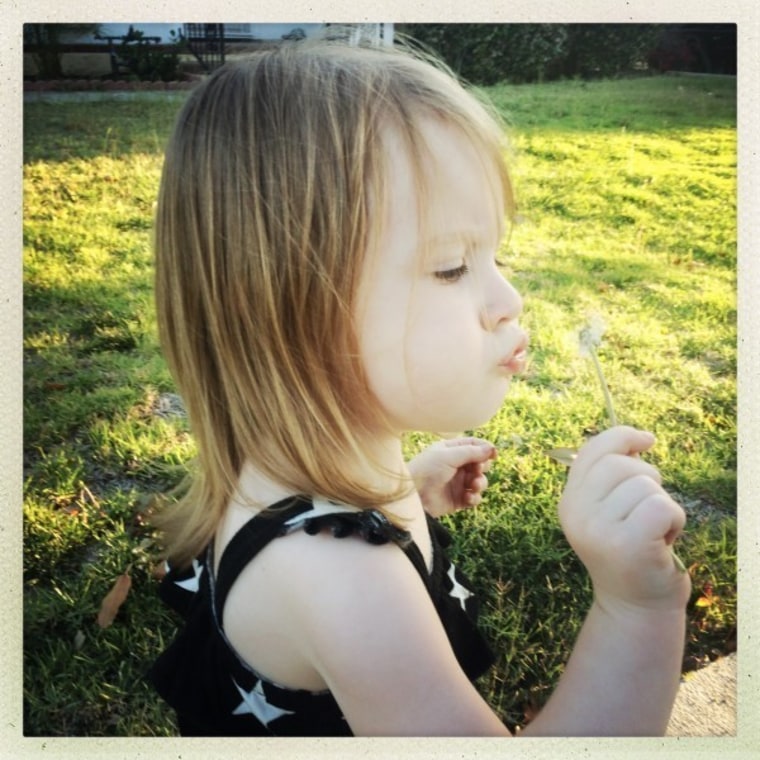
[[467, 452]]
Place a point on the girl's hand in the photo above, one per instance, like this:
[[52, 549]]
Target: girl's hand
[[450, 475], [621, 523]]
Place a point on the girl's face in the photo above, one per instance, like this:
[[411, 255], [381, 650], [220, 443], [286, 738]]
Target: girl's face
[[439, 332]]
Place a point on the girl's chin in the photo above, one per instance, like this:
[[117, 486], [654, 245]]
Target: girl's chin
[[468, 420], [467, 426]]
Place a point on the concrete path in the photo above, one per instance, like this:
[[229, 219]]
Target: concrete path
[[706, 701]]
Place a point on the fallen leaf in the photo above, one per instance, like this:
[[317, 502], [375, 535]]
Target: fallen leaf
[[113, 600]]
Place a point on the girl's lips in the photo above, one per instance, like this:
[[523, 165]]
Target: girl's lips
[[516, 361]]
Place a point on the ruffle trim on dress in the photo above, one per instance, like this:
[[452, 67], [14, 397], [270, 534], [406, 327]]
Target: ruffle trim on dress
[[371, 524]]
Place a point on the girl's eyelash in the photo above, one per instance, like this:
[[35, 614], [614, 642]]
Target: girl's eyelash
[[452, 275]]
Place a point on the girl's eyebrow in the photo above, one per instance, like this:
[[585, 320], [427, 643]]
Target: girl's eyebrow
[[453, 238], [469, 237]]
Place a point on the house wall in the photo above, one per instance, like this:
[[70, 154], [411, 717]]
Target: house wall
[[268, 32]]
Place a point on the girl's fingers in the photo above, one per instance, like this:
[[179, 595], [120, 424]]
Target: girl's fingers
[[466, 441], [615, 470], [472, 498], [461, 452], [478, 484], [656, 517], [627, 495], [453, 470], [482, 448], [621, 440]]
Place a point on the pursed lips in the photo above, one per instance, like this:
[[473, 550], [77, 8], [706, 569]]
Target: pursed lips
[[515, 361]]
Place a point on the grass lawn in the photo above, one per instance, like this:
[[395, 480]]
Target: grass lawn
[[627, 195]]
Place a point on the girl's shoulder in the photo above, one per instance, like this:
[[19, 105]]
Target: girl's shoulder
[[306, 580]]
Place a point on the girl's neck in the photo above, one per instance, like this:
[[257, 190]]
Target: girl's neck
[[257, 490]]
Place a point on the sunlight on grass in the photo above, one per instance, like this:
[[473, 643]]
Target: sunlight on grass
[[627, 204]]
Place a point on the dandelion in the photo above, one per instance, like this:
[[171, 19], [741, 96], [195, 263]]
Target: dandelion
[[590, 338]]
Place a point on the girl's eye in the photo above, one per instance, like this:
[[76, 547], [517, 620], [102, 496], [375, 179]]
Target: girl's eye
[[452, 275]]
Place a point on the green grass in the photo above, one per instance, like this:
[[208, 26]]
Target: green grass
[[627, 203]]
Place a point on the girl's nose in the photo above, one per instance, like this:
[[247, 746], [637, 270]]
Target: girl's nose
[[503, 302]]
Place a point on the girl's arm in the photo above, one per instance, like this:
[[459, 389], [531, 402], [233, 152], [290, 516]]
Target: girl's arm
[[621, 679], [364, 620], [624, 671]]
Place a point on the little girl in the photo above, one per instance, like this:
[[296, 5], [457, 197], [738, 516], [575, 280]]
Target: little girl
[[326, 281]]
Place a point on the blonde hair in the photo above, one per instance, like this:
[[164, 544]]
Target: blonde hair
[[269, 193]]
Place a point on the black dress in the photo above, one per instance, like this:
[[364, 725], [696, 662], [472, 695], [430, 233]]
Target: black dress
[[215, 693]]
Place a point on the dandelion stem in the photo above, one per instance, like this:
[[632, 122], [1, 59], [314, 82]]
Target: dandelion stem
[[590, 337], [603, 383]]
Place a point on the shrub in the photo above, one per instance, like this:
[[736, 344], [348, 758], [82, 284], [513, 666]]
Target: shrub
[[486, 54], [148, 62]]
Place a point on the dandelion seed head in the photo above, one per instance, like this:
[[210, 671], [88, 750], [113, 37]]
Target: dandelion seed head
[[590, 336]]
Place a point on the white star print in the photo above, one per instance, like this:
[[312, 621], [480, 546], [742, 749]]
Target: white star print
[[191, 584], [255, 703], [459, 591]]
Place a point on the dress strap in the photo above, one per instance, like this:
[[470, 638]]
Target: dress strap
[[248, 542], [312, 516]]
